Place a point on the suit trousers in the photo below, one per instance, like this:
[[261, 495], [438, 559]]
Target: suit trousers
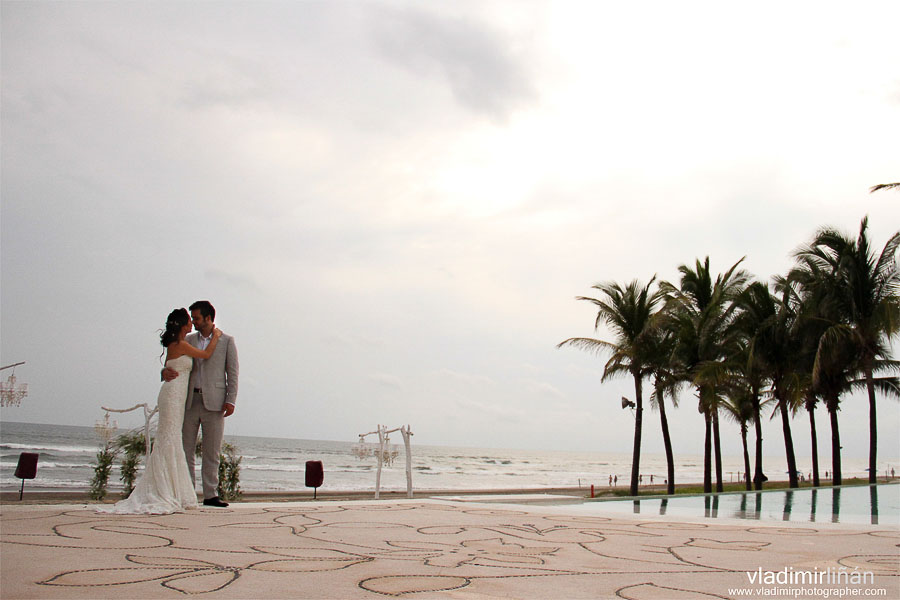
[[212, 423]]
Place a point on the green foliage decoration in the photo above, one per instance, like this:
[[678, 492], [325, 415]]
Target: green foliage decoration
[[134, 445], [229, 471], [105, 459]]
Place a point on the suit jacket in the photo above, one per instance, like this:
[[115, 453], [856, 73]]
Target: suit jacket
[[220, 373]]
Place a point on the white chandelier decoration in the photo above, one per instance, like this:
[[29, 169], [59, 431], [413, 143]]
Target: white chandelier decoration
[[12, 393]]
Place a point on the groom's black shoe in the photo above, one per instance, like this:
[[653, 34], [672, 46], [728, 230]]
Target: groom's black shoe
[[214, 501]]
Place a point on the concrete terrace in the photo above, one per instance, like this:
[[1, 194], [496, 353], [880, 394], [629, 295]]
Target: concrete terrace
[[435, 548]]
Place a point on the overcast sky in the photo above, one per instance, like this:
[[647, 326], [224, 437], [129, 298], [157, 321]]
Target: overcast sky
[[393, 205]]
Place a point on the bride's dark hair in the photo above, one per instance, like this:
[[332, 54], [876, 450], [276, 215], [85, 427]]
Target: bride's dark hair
[[176, 320]]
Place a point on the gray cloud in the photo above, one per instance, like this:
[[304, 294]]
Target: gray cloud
[[483, 68], [233, 279], [386, 380]]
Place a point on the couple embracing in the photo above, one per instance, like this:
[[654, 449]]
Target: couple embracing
[[199, 391]]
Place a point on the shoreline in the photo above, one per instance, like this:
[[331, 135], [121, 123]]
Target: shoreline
[[82, 496]]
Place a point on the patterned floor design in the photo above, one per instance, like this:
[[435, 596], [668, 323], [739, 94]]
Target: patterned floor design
[[411, 549]]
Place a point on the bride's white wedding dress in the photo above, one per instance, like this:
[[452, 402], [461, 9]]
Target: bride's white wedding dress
[[165, 485]]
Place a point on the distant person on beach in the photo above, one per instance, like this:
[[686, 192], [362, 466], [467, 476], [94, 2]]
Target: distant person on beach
[[211, 396], [165, 486]]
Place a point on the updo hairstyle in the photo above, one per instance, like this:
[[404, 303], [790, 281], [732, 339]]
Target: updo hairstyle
[[176, 320]]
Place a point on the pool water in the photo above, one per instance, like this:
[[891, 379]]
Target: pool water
[[869, 504]]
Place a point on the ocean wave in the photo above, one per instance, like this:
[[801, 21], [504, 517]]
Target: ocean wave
[[32, 447], [49, 465], [54, 483], [301, 467]]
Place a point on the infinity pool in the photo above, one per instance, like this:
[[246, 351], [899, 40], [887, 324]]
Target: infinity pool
[[870, 504]]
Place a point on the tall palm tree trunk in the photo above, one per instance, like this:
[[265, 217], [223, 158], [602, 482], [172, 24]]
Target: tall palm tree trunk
[[707, 453], [758, 471], [835, 443], [873, 430], [788, 443], [811, 408], [717, 444], [638, 419], [667, 442], [746, 456]]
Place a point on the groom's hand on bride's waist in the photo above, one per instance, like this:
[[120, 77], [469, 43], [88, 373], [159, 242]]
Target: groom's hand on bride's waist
[[228, 409], [168, 374]]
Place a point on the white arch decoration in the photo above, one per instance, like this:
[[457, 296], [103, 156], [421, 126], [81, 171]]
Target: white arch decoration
[[383, 456], [148, 414]]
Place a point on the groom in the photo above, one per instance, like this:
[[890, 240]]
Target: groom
[[212, 392]]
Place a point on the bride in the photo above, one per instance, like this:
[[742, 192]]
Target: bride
[[165, 485]]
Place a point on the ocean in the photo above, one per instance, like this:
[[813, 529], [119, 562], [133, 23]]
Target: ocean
[[67, 455]]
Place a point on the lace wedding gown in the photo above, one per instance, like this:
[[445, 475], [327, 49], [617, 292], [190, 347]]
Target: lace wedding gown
[[165, 485]]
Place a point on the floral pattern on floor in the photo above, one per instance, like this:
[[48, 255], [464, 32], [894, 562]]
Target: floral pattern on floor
[[411, 549]]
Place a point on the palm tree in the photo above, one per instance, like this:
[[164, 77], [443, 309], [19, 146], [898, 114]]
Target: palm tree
[[808, 328], [628, 313], [865, 290], [700, 313], [809, 403], [783, 353], [822, 368], [838, 373], [742, 407], [665, 383], [755, 322], [834, 378]]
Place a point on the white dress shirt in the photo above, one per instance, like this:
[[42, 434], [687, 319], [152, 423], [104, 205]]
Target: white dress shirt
[[202, 344]]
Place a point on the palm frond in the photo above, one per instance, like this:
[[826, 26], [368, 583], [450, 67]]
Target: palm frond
[[887, 386], [588, 345]]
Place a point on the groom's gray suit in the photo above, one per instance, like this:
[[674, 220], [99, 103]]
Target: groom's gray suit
[[214, 383]]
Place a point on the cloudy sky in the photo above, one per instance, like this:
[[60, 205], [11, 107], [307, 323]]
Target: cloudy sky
[[393, 205]]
